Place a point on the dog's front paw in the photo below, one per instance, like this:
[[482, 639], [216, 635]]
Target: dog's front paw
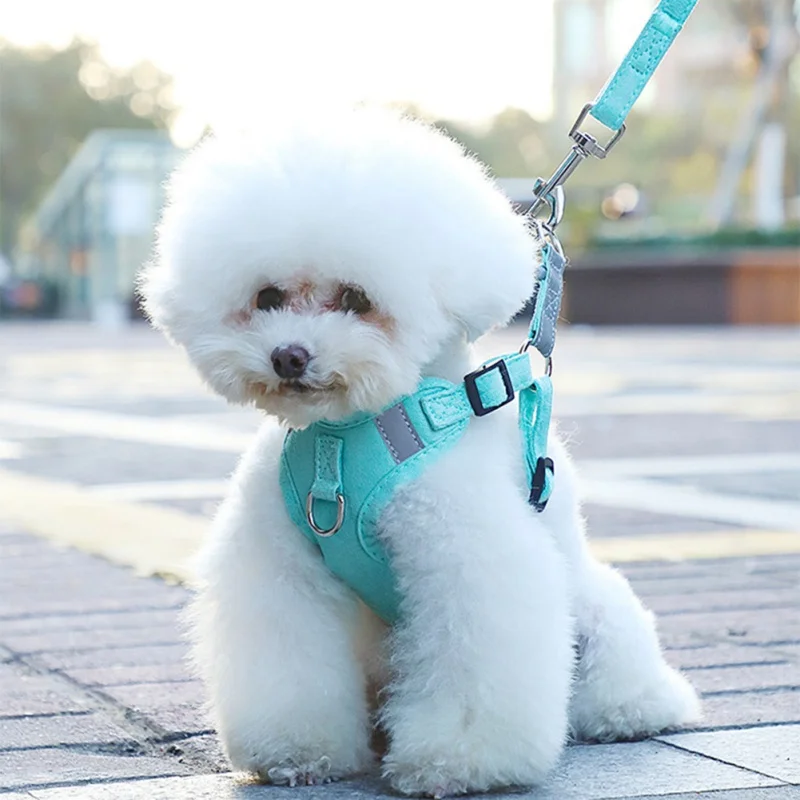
[[666, 703], [293, 774], [432, 780]]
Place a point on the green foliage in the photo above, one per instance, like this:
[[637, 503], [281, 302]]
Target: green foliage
[[51, 100], [513, 145], [724, 238]]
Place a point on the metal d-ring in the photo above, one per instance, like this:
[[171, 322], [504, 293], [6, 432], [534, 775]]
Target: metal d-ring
[[548, 360], [339, 515]]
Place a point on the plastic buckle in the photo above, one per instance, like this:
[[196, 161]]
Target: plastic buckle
[[539, 482], [474, 396]]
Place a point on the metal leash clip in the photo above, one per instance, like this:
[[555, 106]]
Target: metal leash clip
[[551, 191]]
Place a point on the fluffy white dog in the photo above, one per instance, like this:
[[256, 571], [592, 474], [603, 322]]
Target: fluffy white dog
[[320, 270]]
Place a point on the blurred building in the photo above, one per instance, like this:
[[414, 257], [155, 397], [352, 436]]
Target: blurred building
[[583, 59], [94, 229], [709, 59]]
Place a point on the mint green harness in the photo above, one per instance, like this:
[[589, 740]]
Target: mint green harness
[[338, 477]]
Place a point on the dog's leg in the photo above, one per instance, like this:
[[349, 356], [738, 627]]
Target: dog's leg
[[482, 653], [624, 689], [274, 635]]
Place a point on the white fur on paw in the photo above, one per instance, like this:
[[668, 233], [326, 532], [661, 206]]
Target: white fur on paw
[[430, 781], [669, 704], [301, 774]]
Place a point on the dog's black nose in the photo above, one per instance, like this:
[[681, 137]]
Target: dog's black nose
[[290, 362]]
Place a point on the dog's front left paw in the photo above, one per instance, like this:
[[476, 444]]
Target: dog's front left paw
[[292, 774], [667, 703]]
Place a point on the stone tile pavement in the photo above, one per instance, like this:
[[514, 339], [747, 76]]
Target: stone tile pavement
[[96, 700], [94, 691]]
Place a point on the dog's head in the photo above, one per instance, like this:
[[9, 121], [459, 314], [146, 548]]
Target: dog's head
[[316, 270]]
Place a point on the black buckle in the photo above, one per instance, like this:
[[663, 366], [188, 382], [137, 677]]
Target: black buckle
[[474, 396], [538, 483]]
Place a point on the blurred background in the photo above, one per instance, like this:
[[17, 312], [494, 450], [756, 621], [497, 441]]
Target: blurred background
[[694, 219]]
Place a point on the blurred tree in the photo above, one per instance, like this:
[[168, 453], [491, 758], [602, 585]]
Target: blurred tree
[[50, 101], [514, 144], [772, 27]]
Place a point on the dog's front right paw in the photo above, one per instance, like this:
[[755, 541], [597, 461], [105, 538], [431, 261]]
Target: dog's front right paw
[[433, 780], [295, 774]]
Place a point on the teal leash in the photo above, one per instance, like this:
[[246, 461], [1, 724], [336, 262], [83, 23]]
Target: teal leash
[[615, 100], [617, 97]]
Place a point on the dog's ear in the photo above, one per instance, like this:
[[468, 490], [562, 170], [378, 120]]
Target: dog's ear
[[496, 281], [158, 296], [487, 313], [488, 256]]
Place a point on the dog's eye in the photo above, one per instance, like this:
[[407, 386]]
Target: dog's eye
[[270, 298], [354, 298]]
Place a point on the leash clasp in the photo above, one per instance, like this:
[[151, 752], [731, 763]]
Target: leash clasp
[[339, 515], [551, 191], [586, 142]]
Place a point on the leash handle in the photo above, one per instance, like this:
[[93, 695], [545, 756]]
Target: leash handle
[[617, 97]]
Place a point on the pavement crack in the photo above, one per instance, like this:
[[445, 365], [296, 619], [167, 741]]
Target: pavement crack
[[756, 690], [739, 727], [737, 665], [677, 612], [147, 735], [104, 611], [116, 646], [122, 747], [44, 715], [677, 746], [71, 784]]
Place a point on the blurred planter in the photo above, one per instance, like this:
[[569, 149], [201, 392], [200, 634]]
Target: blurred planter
[[687, 282], [765, 288]]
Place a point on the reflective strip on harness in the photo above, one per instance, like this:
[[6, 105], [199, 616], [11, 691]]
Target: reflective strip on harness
[[399, 434]]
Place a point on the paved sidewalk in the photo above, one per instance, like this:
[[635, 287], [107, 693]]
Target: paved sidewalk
[[95, 692], [689, 447]]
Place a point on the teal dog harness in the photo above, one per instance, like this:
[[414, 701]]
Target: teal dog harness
[[338, 477]]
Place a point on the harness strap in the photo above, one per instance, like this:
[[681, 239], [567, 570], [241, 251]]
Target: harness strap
[[327, 468], [617, 97], [535, 410], [496, 383], [485, 390], [547, 300]]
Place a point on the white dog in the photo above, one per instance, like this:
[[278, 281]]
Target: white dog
[[320, 270]]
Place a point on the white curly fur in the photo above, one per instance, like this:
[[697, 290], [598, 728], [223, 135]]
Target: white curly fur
[[479, 686]]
